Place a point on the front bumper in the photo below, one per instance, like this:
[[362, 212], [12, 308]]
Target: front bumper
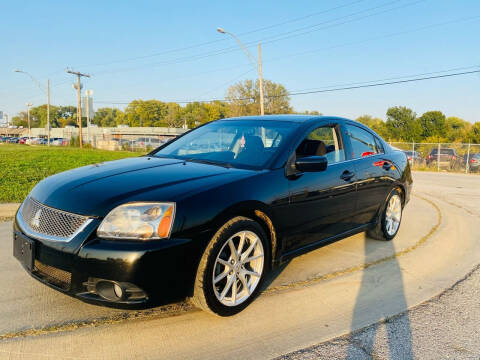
[[148, 273]]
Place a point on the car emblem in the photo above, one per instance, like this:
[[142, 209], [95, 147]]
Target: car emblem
[[36, 219]]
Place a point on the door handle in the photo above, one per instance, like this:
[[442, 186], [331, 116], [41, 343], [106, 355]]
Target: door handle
[[347, 175]]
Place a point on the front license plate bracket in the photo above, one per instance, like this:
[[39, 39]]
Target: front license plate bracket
[[24, 251]]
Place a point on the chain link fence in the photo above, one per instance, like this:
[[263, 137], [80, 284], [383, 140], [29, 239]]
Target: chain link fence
[[454, 157], [116, 142]]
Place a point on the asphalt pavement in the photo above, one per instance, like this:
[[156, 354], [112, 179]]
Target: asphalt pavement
[[327, 293]]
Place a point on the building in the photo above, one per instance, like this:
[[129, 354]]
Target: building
[[91, 112]]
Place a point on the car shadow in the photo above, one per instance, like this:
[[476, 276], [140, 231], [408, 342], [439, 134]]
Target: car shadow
[[272, 275], [398, 333]]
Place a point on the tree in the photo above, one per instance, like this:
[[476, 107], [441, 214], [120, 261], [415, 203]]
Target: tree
[[307, 112], [457, 130], [402, 124], [194, 114], [145, 113], [20, 119], [215, 110], [474, 134], [107, 117], [67, 115], [376, 124], [173, 118], [277, 100], [244, 98], [433, 124]]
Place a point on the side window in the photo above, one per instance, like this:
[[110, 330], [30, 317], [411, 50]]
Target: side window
[[363, 143], [323, 141], [380, 149]]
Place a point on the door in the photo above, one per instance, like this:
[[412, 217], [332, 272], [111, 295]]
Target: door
[[321, 203], [373, 170]]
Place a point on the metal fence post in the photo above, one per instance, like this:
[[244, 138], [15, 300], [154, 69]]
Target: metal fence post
[[438, 158], [468, 159], [413, 154]]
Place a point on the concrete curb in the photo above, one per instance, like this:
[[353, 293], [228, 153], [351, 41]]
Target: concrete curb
[[8, 210]]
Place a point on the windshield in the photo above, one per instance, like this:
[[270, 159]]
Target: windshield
[[237, 143]]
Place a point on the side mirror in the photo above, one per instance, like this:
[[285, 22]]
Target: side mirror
[[311, 163]]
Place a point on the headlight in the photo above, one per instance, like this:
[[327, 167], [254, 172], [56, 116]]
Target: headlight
[[138, 221]]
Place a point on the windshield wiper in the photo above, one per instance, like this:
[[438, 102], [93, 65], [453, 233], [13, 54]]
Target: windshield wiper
[[210, 162]]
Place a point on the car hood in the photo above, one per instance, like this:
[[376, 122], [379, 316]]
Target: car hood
[[96, 189]]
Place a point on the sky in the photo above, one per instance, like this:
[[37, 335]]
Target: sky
[[171, 51]]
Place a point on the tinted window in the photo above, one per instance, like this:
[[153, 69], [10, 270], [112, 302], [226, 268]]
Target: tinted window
[[248, 143], [379, 146], [323, 141], [363, 142]]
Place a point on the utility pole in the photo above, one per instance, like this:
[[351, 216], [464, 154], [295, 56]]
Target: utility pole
[[48, 112], [79, 97], [88, 93], [260, 79], [28, 120]]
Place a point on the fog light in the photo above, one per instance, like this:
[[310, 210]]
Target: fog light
[[115, 291], [118, 291]]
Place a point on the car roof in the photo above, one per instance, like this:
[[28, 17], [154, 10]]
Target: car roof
[[286, 117]]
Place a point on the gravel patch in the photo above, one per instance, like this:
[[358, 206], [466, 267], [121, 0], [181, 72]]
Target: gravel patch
[[446, 327]]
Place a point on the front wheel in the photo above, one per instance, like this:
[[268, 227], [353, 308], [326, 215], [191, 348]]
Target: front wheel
[[232, 268], [390, 219]]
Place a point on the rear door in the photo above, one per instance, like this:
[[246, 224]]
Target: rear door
[[375, 172], [321, 203]]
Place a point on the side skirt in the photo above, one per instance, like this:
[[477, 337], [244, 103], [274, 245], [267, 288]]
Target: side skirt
[[304, 249]]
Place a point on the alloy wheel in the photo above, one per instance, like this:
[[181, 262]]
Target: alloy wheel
[[238, 268], [393, 215]]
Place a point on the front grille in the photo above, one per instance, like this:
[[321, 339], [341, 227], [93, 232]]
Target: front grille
[[44, 220], [53, 275]]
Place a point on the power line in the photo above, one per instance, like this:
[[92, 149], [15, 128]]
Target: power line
[[296, 93], [272, 39], [390, 78], [383, 83], [421, 28], [222, 39]]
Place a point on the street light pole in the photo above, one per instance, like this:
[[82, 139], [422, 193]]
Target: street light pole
[[253, 62], [48, 98], [48, 112], [28, 120], [260, 80]]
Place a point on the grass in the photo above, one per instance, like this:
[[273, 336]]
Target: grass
[[23, 166]]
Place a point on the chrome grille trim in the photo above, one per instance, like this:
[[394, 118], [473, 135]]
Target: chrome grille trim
[[46, 223]]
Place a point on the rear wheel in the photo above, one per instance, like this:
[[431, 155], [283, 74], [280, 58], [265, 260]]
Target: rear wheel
[[232, 268], [390, 218]]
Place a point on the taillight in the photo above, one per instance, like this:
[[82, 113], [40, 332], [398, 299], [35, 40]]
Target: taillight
[[473, 160]]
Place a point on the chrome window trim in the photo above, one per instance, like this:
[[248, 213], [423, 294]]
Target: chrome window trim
[[33, 234]]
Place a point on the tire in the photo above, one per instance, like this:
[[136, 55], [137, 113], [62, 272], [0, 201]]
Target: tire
[[390, 218], [226, 283]]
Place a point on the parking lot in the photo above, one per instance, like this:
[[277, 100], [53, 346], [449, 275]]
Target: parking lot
[[327, 293]]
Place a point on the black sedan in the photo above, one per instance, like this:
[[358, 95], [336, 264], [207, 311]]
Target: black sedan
[[209, 213]]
